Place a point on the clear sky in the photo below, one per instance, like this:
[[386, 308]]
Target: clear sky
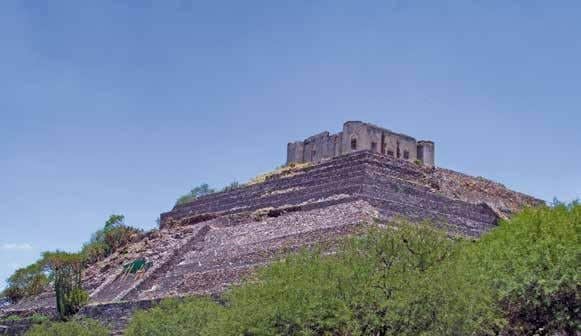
[[121, 106]]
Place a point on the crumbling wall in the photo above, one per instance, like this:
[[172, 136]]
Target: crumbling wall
[[295, 152], [359, 136], [314, 149], [426, 153]]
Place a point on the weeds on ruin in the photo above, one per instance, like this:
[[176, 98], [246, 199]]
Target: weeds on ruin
[[282, 171], [104, 242], [39, 318], [36, 318], [12, 318], [199, 191], [232, 186]]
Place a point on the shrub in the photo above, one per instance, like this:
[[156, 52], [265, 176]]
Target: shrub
[[532, 264], [114, 220], [282, 171], [232, 186], [174, 317], [534, 310], [199, 191], [115, 234], [85, 327], [26, 281], [14, 294], [370, 287], [39, 318], [95, 250], [381, 283]]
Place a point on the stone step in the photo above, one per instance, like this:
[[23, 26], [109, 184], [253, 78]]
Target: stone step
[[333, 165], [347, 187], [314, 178], [211, 282], [161, 268], [310, 176], [226, 201], [249, 245], [259, 252], [453, 223], [409, 194]]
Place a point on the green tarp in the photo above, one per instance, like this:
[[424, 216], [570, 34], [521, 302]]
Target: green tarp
[[136, 266]]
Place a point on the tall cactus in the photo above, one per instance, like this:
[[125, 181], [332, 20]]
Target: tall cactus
[[66, 269]]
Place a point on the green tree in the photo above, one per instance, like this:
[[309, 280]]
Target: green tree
[[66, 271], [27, 281], [114, 220], [532, 264]]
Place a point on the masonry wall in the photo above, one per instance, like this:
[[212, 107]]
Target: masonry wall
[[314, 149], [426, 153], [400, 147], [295, 152], [355, 130], [358, 136]]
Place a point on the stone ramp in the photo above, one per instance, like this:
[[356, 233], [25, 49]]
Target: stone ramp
[[120, 284], [341, 175], [228, 253], [155, 247]]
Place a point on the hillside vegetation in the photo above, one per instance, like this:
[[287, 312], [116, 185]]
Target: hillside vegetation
[[84, 327], [63, 270], [519, 279]]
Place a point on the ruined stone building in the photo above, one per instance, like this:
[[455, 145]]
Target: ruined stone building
[[359, 136], [206, 245]]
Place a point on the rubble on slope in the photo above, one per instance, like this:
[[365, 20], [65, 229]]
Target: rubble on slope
[[478, 189]]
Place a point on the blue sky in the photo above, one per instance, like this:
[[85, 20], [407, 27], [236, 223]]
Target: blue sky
[[121, 106]]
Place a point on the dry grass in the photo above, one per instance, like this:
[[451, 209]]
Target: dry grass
[[284, 171]]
